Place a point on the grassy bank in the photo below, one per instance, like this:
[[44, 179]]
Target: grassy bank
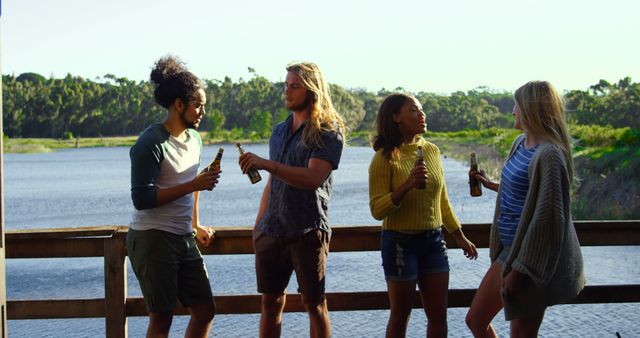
[[44, 145], [607, 163], [40, 145], [606, 160]]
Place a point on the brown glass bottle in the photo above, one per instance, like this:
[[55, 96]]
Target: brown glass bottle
[[420, 161], [254, 175], [475, 187], [216, 161]]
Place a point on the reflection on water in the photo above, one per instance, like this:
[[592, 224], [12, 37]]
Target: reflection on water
[[82, 187]]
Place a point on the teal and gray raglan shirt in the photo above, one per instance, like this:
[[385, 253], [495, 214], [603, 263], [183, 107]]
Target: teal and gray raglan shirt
[[161, 161]]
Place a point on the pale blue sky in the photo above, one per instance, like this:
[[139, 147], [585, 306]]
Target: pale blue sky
[[435, 46]]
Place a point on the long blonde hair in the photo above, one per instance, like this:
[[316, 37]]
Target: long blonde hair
[[323, 116], [543, 114]]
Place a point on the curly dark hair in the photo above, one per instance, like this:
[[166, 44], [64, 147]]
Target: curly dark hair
[[389, 137], [172, 80]]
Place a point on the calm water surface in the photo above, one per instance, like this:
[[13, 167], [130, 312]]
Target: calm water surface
[[83, 187]]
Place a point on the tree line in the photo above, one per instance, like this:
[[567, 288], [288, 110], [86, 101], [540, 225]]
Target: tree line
[[34, 106]]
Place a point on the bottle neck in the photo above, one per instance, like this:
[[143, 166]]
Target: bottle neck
[[240, 149]]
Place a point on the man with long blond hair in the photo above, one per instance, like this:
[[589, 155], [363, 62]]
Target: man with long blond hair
[[292, 230]]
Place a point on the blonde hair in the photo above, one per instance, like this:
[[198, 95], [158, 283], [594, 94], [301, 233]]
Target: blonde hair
[[323, 116], [543, 114]]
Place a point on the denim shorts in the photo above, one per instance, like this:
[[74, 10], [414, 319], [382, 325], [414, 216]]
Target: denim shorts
[[407, 257]]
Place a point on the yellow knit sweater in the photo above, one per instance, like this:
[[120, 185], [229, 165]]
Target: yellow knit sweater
[[419, 209]]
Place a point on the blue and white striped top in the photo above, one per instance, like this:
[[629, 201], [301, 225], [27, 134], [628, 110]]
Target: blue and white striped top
[[514, 184]]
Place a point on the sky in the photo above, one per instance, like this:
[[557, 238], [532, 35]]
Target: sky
[[433, 46]]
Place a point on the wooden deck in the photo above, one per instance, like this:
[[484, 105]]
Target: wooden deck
[[116, 307]]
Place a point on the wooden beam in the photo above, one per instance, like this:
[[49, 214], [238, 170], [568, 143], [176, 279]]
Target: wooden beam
[[246, 304], [77, 232], [55, 308], [378, 300], [605, 294], [605, 233], [55, 247], [237, 240], [115, 287]]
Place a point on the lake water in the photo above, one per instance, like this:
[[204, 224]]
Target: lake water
[[84, 187]]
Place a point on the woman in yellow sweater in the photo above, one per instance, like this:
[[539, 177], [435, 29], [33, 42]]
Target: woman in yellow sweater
[[413, 246]]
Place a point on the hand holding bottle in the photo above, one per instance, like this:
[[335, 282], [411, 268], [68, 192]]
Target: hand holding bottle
[[250, 161], [207, 179], [254, 175], [419, 172], [418, 177], [475, 187], [482, 177]]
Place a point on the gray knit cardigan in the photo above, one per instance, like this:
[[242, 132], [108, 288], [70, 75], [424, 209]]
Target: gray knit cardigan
[[545, 246]]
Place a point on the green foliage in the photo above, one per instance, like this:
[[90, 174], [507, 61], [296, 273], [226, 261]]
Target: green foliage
[[604, 136], [502, 100], [34, 106], [609, 185], [360, 138], [370, 102], [504, 121], [235, 134], [216, 122], [604, 104], [630, 137], [33, 77], [52, 107], [458, 111], [239, 102], [67, 135], [349, 106], [260, 125]]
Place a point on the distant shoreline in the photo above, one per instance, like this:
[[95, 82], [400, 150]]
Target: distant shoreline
[[45, 145]]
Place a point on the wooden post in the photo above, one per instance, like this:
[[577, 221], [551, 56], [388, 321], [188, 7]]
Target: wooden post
[[3, 277], [115, 286]]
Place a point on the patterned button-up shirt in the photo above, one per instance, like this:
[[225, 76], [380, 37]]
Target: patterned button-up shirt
[[293, 211]]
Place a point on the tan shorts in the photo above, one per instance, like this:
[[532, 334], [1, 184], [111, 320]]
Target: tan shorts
[[278, 257]]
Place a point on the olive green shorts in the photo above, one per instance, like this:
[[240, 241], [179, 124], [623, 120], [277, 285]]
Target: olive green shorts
[[168, 267]]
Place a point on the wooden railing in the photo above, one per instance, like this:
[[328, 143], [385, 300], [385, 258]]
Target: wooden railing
[[116, 307]]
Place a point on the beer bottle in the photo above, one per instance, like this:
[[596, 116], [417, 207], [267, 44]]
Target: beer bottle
[[420, 161], [254, 175], [216, 161], [475, 186]]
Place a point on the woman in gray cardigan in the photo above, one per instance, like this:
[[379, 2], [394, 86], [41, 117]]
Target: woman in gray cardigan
[[534, 249]]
